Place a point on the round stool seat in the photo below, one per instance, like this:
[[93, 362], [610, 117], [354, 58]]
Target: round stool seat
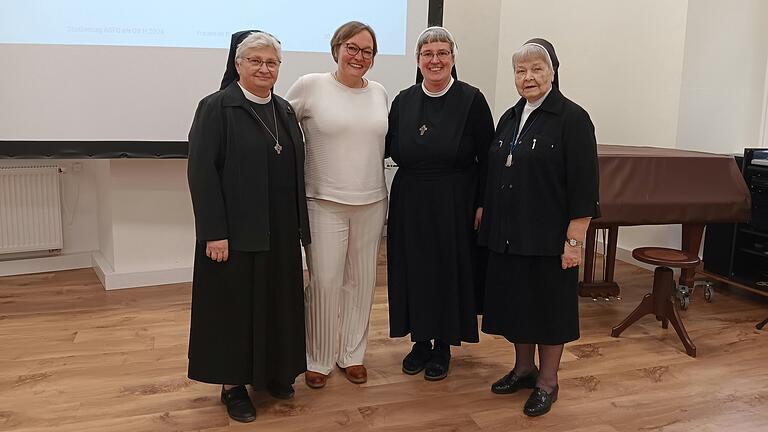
[[666, 257]]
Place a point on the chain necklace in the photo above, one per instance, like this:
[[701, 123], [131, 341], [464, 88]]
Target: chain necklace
[[275, 136]]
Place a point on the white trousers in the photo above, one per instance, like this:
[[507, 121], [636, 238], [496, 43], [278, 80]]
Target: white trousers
[[342, 262]]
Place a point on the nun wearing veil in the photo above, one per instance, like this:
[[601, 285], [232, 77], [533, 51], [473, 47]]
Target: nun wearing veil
[[439, 133], [245, 172], [541, 193]]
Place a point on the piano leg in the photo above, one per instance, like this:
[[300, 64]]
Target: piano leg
[[589, 256], [691, 242], [610, 261], [606, 287]]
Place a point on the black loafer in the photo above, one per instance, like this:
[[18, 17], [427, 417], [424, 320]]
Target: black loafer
[[511, 383], [540, 402], [239, 405], [417, 359], [437, 366], [281, 391]]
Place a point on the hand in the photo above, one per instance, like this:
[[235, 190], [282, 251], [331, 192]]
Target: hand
[[571, 256], [217, 250], [478, 217]]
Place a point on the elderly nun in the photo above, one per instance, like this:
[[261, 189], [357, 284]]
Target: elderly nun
[[541, 193], [245, 171]]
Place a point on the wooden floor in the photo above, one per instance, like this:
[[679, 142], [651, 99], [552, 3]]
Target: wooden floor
[[76, 358]]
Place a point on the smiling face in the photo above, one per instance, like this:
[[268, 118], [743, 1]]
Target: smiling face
[[533, 78], [435, 62], [352, 68], [260, 79]]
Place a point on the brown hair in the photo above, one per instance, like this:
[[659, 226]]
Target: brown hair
[[348, 30]]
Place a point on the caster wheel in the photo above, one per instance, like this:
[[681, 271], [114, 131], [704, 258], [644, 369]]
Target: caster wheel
[[709, 292], [685, 302]]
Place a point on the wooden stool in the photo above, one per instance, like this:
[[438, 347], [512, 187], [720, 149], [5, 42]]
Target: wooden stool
[[659, 302]]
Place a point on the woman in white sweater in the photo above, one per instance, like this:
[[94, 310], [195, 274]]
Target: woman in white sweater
[[344, 119]]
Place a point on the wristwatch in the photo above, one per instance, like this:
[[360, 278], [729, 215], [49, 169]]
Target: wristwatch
[[574, 243]]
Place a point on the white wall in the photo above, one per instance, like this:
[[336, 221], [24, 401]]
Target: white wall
[[104, 228], [475, 26], [146, 226], [620, 60], [152, 217], [724, 75]]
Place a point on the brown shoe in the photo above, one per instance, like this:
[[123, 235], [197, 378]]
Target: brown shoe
[[356, 374], [315, 380]]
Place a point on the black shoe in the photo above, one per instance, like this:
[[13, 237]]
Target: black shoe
[[239, 405], [511, 383], [417, 359], [540, 402], [279, 391], [437, 366]]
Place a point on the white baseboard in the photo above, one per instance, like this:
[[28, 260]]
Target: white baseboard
[[113, 280], [46, 264]]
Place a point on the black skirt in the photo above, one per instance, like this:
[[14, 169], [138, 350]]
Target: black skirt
[[531, 299], [431, 258], [247, 323]]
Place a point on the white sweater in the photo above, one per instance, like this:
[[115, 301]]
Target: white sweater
[[344, 129]]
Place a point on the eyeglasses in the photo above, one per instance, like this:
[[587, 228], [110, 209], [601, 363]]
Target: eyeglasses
[[353, 49], [256, 62], [442, 55]]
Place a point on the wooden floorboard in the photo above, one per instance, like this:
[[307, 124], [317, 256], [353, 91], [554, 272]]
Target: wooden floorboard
[[76, 358]]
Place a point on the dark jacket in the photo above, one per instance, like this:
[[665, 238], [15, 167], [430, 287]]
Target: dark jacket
[[529, 205], [227, 171]]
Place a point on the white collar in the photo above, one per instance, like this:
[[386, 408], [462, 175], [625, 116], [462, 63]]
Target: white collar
[[437, 93], [253, 98], [537, 103]]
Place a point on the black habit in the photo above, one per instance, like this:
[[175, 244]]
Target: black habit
[[247, 324], [440, 145], [528, 206]]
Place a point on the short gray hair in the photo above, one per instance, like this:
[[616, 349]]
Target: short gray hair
[[258, 40], [435, 34], [532, 51]]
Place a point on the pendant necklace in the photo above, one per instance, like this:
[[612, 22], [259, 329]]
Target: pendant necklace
[[519, 140], [275, 136]]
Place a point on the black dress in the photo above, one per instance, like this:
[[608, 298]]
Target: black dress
[[440, 145], [553, 179], [247, 323]]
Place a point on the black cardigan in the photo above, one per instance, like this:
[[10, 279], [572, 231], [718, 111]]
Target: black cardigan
[[227, 171]]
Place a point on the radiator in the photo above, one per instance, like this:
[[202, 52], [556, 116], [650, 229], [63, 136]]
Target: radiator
[[30, 209]]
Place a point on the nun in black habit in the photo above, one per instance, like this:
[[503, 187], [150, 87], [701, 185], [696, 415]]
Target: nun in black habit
[[542, 192], [439, 133], [245, 172]]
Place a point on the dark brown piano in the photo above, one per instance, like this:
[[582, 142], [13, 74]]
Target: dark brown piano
[[659, 186]]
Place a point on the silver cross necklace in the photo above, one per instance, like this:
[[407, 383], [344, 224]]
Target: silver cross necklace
[[275, 136]]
